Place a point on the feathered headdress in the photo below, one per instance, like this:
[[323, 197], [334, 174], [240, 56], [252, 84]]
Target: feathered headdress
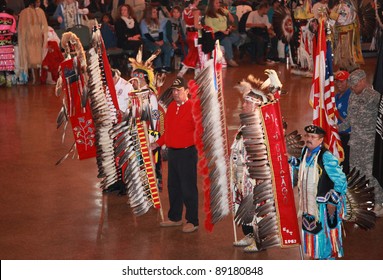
[[263, 90], [283, 24], [146, 66]]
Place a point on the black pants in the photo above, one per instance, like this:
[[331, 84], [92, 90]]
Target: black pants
[[344, 138], [260, 39], [182, 184]]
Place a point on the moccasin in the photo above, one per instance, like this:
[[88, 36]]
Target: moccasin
[[189, 227], [170, 223], [246, 241]]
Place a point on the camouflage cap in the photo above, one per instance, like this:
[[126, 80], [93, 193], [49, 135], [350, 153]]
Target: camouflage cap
[[355, 77]]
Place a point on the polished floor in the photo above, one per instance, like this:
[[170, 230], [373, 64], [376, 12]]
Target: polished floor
[[58, 212]]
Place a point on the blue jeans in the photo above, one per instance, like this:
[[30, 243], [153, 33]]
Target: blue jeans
[[164, 58], [227, 42]]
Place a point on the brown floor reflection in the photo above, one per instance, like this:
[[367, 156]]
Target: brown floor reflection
[[58, 212]]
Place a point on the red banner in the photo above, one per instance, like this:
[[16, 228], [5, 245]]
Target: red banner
[[80, 118], [281, 176]]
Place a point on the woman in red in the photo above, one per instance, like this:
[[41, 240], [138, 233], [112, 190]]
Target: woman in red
[[191, 17]]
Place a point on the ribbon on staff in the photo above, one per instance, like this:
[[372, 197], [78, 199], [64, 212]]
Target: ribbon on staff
[[281, 178]]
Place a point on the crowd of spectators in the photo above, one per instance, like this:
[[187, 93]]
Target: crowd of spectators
[[240, 26]]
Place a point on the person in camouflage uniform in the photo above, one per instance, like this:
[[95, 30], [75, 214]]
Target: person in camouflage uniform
[[362, 116]]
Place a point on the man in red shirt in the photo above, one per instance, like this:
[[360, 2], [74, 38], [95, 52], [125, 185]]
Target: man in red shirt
[[182, 159]]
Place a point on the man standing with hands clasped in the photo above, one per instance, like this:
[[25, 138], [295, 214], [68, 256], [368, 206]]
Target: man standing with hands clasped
[[322, 186], [182, 159], [362, 116]]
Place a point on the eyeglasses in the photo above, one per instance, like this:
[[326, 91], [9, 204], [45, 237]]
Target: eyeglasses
[[309, 136]]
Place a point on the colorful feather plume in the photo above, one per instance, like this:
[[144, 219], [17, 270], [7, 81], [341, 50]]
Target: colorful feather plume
[[211, 141]]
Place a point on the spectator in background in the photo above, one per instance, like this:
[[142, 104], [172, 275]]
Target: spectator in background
[[138, 7], [152, 30], [273, 52], [217, 19], [105, 6], [341, 99], [49, 7], [68, 14], [114, 4], [259, 30], [191, 16], [94, 7], [108, 31], [15, 6], [177, 38], [127, 29], [32, 39]]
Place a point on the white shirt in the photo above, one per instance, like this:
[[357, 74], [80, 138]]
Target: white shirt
[[255, 18], [242, 9]]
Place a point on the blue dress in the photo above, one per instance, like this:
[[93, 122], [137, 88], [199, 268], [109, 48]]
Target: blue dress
[[321, 233]]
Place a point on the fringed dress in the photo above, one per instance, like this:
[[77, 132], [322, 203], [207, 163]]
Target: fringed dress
[[321, 182]]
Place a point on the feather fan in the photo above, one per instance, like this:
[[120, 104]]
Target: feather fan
[[360, 201]]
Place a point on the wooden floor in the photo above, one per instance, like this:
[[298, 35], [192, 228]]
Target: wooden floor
[[58, 212]]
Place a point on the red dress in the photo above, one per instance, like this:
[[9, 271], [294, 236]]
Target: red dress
[[192, 57]]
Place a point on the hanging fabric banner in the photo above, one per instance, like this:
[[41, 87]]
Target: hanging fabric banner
[[281, 178]]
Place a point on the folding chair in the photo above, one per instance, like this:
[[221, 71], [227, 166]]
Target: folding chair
[[83, 33]]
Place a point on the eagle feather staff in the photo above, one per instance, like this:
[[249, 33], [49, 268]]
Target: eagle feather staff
[[260, 172], [208, 112]]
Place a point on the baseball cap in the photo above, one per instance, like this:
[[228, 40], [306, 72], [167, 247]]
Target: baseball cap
[[179, 83], [341, 75]]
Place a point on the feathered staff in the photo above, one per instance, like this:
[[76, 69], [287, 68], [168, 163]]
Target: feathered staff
[[131, 143], [257, 208], [269, 206], [134, 159], [103, 110], [211, 141]]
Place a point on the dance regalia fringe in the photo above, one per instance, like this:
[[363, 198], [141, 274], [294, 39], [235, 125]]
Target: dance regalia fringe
[[327, 244]]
